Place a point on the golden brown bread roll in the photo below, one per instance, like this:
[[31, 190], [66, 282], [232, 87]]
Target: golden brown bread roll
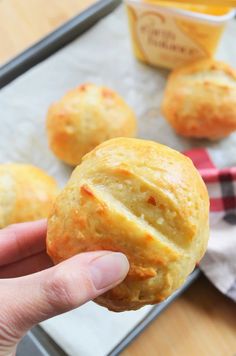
[[26, 193], [143, 199], [84, 118], [200, 99]]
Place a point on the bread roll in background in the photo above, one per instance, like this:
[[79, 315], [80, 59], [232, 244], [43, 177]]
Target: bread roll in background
[[85, 117], [200, 99], [143, 199], [26, 193]]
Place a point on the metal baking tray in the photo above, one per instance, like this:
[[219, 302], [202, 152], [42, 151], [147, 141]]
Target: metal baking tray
[[55, 40], [37, 342]]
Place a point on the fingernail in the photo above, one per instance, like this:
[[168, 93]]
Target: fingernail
[[109, 270]]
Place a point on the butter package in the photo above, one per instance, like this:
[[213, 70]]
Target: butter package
[[168, 34]]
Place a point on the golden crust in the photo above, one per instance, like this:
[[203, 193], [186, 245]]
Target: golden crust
[[26, 193], [85, 117], [140, 198], [200, 99]]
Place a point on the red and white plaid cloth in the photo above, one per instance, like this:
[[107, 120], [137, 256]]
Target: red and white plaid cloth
[[219, 262]]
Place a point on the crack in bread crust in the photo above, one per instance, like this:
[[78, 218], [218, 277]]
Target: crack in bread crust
[[148, 201], [113, 204]]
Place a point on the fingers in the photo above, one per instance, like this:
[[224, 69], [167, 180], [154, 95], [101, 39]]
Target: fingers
[[61, 288], [26, 266], [22, 240]]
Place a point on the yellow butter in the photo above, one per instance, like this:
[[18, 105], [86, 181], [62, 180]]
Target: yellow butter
[[168, 34], [217, 10], [206, 3]]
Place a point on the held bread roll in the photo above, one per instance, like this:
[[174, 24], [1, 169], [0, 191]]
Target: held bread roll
[[84, 118], [26, 193], [143, 199], [200, 99]]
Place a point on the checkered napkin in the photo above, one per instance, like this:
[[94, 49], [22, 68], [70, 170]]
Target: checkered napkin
[[219, 262]]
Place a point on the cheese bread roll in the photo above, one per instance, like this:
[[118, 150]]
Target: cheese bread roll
[[140, 198]]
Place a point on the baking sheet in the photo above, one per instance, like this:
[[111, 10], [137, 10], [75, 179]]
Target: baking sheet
[[103, 56], [55, 40]]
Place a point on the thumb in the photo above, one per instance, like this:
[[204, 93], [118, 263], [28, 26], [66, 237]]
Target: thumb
[[31, 299]]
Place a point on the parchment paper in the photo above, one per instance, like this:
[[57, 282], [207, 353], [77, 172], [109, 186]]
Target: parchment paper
[[102, 55]]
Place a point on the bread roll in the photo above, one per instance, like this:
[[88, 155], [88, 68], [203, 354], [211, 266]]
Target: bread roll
[[143, 199], [84, 118], [200, 100], [26, 193]]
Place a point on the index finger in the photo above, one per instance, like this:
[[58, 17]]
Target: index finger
[[22, 240]]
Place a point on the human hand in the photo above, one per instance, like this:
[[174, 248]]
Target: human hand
[[32, 290]]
